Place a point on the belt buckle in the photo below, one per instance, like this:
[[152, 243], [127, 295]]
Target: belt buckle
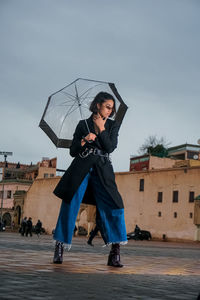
[[95, 152], [85, 153]]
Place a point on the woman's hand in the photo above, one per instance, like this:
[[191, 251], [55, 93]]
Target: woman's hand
[[99, 122], [90, 137]]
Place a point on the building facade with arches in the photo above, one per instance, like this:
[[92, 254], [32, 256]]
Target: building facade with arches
[[15, 181]]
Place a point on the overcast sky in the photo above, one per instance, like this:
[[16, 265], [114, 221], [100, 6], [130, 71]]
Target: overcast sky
[[149, 48]]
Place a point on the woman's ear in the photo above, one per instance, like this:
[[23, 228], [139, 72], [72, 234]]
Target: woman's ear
[[98, 106]]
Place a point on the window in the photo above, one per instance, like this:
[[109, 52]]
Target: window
[[191, 215], [51, 175], [1, 194], [175, 196], [191, 196], [9, 194], [141, 185], [175, 214], [45, 175], [160, 194], [159, 214]]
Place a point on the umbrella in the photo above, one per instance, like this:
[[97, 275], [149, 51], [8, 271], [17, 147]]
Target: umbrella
[[70, 104]]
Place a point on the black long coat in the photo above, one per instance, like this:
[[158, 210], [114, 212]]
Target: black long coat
[[79, 168]]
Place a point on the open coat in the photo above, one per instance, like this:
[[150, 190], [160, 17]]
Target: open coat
[[106, 141]]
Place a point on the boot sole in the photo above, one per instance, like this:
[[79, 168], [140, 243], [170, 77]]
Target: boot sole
[[115, 266], [57, 262]]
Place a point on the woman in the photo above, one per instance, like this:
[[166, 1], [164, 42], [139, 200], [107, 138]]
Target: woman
[[90, 179]]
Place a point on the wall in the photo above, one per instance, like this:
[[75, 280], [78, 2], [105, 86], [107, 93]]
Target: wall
[[142, 208], [41, 203], [160, 163], [12, 186]]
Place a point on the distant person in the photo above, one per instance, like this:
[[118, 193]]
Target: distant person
[[75, 230], [23, 226], [13, 225], [29, 227], [38, 228], [97, 228], [93, 233], [137, 231]]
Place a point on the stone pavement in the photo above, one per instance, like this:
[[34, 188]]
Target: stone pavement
[[152, 270]]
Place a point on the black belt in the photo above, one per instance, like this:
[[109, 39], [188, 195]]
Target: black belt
[[94, 151]]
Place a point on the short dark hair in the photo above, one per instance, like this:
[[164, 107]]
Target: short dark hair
[[101, 98]]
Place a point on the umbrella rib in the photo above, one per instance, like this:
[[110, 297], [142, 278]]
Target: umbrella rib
[[67, 114], [88, 90], [85, 106], [83, 98], [70, 102], [70, 95]]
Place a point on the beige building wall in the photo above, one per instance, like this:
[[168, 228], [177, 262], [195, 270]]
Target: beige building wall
[[41, 203], [160, 162], [142, 208], [46, 172]]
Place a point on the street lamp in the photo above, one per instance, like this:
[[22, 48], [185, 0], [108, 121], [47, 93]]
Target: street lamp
[[5, 154]]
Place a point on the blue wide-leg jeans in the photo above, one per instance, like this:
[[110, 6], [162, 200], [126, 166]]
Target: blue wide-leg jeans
[[112, 224]]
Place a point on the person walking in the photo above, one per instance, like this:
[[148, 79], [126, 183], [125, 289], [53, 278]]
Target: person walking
[[38, 228], [92, 235], [23, 226], [90, 179], [96, 229], [29, 227], [137, 232]]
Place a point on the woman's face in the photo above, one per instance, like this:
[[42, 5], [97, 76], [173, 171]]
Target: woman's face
[[106, 108]]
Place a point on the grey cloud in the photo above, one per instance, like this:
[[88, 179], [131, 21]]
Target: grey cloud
[[149, 48]]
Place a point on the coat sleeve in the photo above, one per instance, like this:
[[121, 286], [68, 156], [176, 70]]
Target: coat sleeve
[[109, 139], [76, 142]]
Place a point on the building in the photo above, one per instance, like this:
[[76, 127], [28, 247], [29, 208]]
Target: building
[[41, 203], [179, 153], [158, 200], [16, 179], [148, 162], [184, 152], [162, 201], [168, 199], [159, 196]]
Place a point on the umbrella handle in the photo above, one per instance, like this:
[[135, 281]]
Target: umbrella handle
[[87, 126]]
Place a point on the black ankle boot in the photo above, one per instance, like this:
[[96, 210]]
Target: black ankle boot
[[58, 253], [114, 256]]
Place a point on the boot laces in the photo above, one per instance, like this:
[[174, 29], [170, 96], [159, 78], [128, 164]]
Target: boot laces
[[59, 248]]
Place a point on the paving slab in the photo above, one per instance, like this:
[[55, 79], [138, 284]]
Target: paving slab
[[152, 270]]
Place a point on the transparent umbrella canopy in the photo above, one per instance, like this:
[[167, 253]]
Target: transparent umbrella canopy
[[66, 107]]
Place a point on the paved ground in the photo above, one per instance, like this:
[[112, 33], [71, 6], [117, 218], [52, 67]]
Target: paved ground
[[152, 270]]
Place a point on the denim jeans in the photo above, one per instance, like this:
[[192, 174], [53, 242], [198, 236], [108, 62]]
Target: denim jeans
[[112, 224]]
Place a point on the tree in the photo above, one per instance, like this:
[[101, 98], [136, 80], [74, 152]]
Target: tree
[[155, 146]]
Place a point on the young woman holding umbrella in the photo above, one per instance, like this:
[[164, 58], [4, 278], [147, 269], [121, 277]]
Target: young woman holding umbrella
[[90, 179]]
